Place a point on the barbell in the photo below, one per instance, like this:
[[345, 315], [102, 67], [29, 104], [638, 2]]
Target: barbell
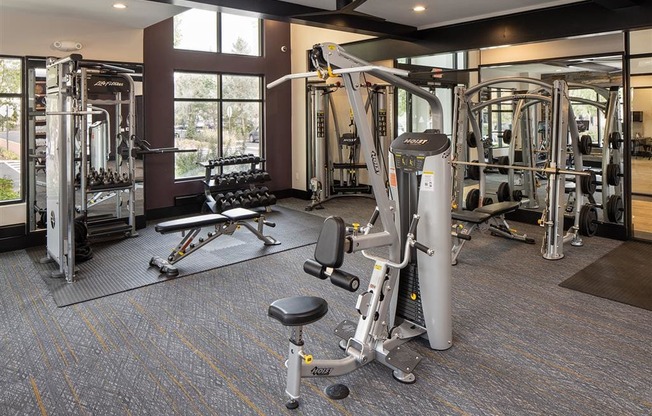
[[554, 171]]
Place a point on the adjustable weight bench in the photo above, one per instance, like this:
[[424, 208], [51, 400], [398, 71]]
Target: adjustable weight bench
[[225, 223], [490, 217]]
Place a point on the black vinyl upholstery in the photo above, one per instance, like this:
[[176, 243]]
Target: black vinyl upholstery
[[189, 223], [298, 310], [329, 251]]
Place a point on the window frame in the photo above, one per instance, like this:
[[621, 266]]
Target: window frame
[[21, 127], [220, 102]]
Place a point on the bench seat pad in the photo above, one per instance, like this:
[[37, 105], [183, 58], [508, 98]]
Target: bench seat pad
[[189, 223], [473, 217], [240, 214], [499, 208]]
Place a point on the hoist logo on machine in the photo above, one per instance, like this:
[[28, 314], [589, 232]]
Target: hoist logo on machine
[[374, 162], [417, 142], [319, 371]]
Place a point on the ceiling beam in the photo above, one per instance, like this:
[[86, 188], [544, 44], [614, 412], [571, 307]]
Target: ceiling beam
[[576, 19], [296, 13]]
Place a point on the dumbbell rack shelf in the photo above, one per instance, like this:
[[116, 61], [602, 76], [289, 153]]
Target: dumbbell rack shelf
[[243, 183]]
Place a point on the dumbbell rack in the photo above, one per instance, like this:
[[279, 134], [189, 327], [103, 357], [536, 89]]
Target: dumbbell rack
[[240, 189]]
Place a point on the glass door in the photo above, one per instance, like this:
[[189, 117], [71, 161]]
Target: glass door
[[641, 131]]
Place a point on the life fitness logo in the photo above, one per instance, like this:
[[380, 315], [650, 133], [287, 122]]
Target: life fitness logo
[[102, 83]]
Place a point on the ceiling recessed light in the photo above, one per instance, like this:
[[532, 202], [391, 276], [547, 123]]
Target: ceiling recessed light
[[120, 6], [419, 9]]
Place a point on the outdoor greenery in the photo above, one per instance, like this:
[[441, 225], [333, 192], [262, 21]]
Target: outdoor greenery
[[7, 190], [10, 83], [210, 108]]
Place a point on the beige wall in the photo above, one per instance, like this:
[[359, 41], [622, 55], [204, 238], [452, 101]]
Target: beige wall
[[642, 101], [24, 34], [302, 39], [595, 45]]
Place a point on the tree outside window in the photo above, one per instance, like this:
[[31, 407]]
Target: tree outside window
[[10, 128]]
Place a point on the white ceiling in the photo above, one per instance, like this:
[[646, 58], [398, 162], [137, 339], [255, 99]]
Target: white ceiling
[[138, 14], [141, 13], [439, 12]]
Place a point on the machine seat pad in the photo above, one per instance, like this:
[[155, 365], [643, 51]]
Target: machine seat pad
[[190, 223], [499, 208], [473, 217], [239, 214], [298, 310]]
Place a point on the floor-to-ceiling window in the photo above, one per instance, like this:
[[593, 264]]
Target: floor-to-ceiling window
[[218, 114], [11, 70]]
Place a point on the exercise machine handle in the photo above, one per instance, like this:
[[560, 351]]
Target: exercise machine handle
[[462, 236], [374, 216], [345, 280], [423, 248], [413, 225]]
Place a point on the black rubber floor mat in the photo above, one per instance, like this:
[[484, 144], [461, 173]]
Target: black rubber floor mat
[[124, 264], [623, 275]]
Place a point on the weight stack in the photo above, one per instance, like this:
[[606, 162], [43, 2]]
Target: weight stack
[[409, 300]]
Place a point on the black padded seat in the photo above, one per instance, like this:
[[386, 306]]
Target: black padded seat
[[499, 208], [239, 214], [473, 217], [189, 223], [298, 310]]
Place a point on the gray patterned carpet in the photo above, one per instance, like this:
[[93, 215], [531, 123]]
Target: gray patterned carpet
[[202, 345]]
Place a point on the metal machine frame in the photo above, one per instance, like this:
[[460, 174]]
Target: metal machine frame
[[378, 338], [67, 113]]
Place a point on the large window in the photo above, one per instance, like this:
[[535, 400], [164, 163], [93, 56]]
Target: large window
[[217, 114], [10, 128], [197, 30]]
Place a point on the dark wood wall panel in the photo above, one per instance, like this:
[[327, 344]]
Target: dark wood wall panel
[[160, 62]]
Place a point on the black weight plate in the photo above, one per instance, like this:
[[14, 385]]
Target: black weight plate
[[588, 183], [487, 201], [503, 193], [503, 160], [613, 174], [588, 220], [585, 144], [473, 171], [517, 195], [615, 208], [507, 136], [472, 200], [470, 140], [615, 140]]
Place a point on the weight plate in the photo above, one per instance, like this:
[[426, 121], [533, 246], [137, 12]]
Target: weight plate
[[615, 140], [473, 172], [472, 200], [503, 193], [487, 201], [517, 195], [613, 174], [588, 220], [588, 183], [585, 144], [503, 160], [615, 208], [470, 140], [507, 136]]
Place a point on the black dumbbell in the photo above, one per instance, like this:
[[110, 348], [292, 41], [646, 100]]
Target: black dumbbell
[[244, 199], [252, 195], [265, 197]]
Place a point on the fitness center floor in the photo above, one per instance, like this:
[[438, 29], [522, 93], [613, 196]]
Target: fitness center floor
[[202, 344]]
